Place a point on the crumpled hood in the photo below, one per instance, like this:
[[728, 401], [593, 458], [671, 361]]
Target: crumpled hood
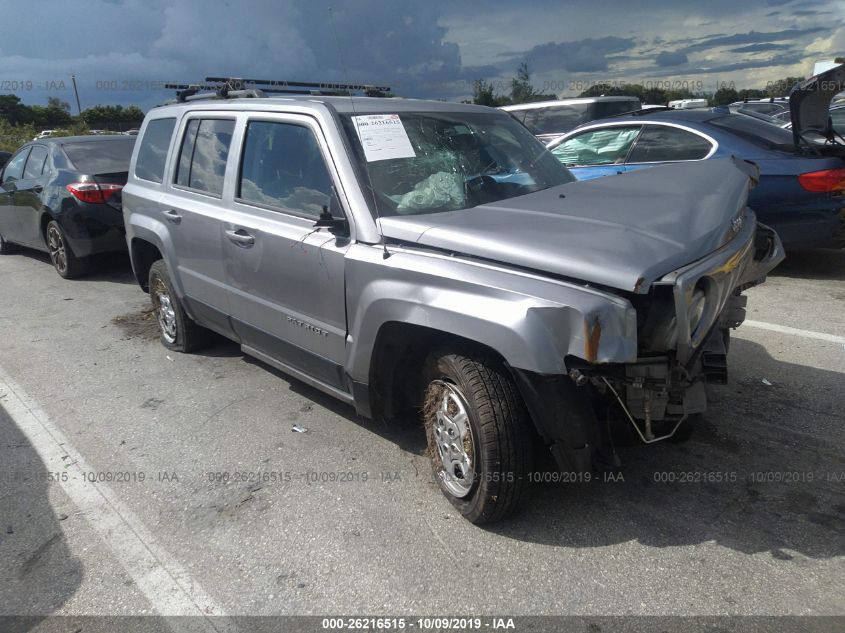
[[623, 232], [809, 103]]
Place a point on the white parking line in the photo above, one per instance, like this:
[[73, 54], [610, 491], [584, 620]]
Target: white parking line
[[783, 329], [165, 583]]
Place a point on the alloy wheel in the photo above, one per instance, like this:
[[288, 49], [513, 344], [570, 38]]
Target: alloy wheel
[[57, 248], [165, 311], [453, 439]]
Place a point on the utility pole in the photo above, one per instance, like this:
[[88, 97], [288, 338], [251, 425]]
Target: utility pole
[[76, 92]]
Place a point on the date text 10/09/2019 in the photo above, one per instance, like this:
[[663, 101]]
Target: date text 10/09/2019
[[420, 623]]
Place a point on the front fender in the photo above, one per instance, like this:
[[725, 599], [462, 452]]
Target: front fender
[[532, 321]]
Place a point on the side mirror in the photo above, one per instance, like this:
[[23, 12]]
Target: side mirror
[[332, 217]]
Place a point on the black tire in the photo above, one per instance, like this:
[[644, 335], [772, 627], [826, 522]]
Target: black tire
[[64, 260], [7, 248], [176, 329], [499, 447]]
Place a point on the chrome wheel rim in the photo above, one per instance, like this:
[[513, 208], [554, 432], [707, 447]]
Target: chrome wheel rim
[[165, 311], [452, 436], [56, 246]]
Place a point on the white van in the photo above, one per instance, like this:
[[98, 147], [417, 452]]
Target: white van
[[688, 104]]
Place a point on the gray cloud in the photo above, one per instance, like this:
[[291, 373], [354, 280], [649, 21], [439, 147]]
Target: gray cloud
[[759, 48], [667, 58], [587, 55], [121, 49], [753, 37]]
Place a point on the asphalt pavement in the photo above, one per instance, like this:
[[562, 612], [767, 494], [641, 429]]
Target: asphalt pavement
[[135, 480]]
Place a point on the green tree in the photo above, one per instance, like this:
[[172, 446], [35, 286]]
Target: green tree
[[113, 117], [781, 87], [724, 96], [521, 88], [58, 104], [484, 93], [13, 111]]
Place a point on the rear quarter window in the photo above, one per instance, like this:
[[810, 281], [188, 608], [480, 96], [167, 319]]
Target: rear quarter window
[[660, 143], [100, 157], [152, 154]]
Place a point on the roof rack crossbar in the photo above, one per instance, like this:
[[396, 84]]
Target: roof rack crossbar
[[282, 84], [233, 87]]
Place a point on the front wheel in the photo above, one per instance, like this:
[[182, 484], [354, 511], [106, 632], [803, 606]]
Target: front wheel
[[178, 332], [479, 435]]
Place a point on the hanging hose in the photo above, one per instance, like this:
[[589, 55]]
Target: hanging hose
[[634, 424]]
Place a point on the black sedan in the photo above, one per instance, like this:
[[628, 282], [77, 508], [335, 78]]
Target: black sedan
[[63, 196], [4, 158]]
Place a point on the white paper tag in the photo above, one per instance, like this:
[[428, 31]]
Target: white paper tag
[[383, 137]]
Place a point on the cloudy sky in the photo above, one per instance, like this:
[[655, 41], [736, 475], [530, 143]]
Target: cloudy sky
[[121, 50]]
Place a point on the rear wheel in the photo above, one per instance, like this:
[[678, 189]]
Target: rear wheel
[[479, 435], [64, 261], [178, 332]]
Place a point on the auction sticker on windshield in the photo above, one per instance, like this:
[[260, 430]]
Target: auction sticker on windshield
[[383, 137]]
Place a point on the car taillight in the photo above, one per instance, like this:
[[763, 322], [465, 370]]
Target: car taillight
[[92, 192], [827, 180]]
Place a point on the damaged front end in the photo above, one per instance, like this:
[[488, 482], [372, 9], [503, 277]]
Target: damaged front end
[[683, 333]]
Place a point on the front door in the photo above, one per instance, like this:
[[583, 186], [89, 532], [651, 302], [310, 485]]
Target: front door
[[286, 277], [597, 152], [27, 198], [10, 226]]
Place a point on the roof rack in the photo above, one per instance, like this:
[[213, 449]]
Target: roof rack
[[234, 87]]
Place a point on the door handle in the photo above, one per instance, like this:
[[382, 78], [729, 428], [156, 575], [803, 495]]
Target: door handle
[[172, 216], [241, 237]]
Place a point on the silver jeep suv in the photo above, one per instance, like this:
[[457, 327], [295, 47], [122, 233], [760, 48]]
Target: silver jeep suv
[[434, 258]]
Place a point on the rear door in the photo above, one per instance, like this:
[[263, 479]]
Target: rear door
[[13, 172], [597, 152], [660, 143], [191, 208], [286, 278]]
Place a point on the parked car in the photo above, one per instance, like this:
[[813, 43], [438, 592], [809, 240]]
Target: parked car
[[4, 158], [837, 120], [63, 196], [800, 192], [132, 132], [405, 255], [772, 106], [549, 119], [44, 134]]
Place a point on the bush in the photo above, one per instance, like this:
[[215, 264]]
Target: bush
[[13, 136]]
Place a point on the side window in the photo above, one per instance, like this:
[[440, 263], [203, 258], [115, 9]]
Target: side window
[[14, 168], [660, 143], [605, 146], [35, 162], [203, 155], [282, 166], [556, 119], [153, 151]]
